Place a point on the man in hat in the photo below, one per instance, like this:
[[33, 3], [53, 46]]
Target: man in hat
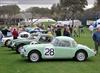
[[96, 38]]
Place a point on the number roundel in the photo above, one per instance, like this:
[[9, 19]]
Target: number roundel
[[49, 52]]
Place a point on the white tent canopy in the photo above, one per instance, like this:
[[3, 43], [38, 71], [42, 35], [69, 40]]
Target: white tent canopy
[[96, 23], [69, 22], [43, 20]]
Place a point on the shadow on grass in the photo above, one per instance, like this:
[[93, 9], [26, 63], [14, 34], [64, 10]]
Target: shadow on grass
[[53, 61], [13, 52]]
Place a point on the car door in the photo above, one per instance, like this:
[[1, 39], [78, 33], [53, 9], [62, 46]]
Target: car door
[[64, 49]]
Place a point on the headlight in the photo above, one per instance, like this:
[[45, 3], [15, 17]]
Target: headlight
[[32, 43], [24, 50], [3, 41], [13, 44]]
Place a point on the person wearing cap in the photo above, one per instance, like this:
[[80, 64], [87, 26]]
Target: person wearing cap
[[96, 38]]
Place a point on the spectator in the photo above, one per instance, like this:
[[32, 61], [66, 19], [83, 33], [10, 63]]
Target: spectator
[[91, 28], [5, 31], [15, 34], [96, 38], [1, 36], [71, 29], [75, 30], [58, 31], [66, 32]]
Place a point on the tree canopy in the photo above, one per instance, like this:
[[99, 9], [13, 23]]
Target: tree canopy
[[73, 7], [36, 11], [9, 10]]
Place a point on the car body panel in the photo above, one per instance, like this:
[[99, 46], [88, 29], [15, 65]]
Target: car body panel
[[21, 36]]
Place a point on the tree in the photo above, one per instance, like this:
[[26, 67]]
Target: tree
[[98, 2], [96, 9], [97, 5], [9, 10], [56, 11], [73, 7], [38, 12]]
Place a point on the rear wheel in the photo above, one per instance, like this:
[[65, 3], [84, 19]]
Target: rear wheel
[[7, 42], [81, 56], [19, 47], [34, 56]]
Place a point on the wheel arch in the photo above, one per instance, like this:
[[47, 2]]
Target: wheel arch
[[82, 51], [35, 50]]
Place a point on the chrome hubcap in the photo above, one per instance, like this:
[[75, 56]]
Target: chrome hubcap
[[34, 57], [81, 56]]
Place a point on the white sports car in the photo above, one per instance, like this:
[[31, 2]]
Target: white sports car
[[22, 35]]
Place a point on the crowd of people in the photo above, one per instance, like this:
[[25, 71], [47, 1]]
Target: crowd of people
[[66, 30]]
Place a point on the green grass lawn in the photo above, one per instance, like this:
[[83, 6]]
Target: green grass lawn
[[10, 62]]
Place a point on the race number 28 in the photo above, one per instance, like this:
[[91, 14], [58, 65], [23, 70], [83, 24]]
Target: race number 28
[[49, 52]]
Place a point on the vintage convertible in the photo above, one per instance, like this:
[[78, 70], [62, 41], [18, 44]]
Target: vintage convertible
[[34, 39], [61, 47]]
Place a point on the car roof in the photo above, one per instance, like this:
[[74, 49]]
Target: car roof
[[65, 38]]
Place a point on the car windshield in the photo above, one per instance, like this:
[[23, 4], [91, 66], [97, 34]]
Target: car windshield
[[54, 42], [45, 39], [9, 34], [33, 37]]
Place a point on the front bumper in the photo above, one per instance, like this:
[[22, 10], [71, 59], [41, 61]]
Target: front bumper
[[92, 53], [12, 45], [23, 54]]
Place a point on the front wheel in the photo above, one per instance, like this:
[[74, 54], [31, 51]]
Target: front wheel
[[34, 56], [81, 56]]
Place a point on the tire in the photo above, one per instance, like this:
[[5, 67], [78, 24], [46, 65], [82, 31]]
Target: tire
[[6, 43], [34, 56], [19, 47], [81, 56]]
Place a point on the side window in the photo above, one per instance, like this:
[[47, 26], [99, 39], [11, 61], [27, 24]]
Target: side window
[[64, 43], [42, 39], [67, 43]]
